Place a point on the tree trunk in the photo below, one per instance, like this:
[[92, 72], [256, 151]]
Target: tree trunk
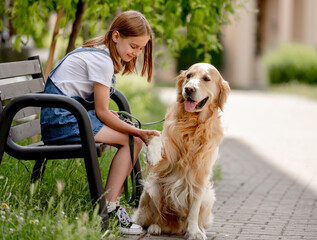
[[53, 43], [81, 6]]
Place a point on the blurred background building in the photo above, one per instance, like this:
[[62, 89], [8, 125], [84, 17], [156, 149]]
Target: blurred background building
[[260, 27], [255, 29]]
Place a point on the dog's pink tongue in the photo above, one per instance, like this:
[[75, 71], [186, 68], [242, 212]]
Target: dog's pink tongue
[[189, 105]]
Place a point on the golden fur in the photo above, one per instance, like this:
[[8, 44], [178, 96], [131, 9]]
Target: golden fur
[[178, 194]]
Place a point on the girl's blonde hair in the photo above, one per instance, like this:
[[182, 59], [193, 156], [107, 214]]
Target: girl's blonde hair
[[128, 24]]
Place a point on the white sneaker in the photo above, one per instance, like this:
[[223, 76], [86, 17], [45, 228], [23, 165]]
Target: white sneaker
[[126, 226]]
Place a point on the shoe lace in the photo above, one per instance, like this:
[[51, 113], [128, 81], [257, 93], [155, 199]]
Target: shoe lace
[[123, 216]]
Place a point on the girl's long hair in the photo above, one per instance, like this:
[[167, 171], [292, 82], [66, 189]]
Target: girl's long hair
[[128, 24]]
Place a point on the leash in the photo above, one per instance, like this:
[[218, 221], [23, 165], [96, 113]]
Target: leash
[[130, 119], [133, 176]]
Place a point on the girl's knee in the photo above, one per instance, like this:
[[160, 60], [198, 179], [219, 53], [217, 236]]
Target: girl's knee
[[138, 142]]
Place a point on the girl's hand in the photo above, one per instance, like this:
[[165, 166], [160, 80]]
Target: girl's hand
[[145, 135]]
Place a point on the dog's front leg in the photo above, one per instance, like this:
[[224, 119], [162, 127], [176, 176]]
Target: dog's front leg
[[154, 151], [193, 231]]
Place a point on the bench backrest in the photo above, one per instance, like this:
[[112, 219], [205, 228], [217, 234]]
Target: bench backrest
[[16, 79]]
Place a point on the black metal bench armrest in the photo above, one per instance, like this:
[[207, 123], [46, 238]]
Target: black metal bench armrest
[[47, 100], [121, 101]]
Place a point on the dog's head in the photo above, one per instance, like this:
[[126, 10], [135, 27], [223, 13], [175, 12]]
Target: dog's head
[[201, 86]]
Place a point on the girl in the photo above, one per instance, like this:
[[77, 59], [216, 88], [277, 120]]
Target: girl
[[86, 74]]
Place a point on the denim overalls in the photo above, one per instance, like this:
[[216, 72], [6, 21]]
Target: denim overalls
[[59, 125]]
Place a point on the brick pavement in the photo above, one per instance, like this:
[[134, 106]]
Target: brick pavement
[[269, 163]]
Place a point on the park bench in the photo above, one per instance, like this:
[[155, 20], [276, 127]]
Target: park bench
[[21, 95]]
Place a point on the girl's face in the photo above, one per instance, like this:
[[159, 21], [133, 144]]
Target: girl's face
[[130, 47]]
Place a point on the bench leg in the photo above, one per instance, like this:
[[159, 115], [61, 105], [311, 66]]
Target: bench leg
[[96, 189], [38, 170]]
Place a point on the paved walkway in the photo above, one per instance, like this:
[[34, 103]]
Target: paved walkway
[[269, 164]]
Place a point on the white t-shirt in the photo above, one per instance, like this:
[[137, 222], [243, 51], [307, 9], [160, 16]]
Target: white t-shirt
[[77, 74]]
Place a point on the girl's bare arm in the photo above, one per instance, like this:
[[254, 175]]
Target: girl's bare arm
[[102, 99]]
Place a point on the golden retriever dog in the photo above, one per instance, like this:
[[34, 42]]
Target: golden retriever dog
[[178, 194]]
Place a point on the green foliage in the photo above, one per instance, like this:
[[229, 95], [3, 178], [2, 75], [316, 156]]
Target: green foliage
[[2, 10], [292, 62], [188, 56], [178, 24], [144, 103], [26, 17], [30, 18]]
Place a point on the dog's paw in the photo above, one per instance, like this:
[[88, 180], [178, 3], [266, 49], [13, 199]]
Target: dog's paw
[[197, 235], [154, 151], [154, 229]]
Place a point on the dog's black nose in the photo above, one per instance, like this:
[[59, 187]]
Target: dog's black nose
[[189, 90]]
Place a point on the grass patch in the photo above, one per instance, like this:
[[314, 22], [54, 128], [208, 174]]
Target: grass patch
[[295, 88], [291, 62], [59, 208], [217, 173]]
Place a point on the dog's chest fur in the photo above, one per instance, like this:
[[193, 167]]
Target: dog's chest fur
[[187, 159], [191, 139]]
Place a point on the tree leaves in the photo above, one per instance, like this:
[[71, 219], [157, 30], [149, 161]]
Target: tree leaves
[[176, 23]]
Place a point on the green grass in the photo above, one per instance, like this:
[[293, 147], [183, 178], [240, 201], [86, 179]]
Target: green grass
[[59, 208], [217, 173], [295, 88]]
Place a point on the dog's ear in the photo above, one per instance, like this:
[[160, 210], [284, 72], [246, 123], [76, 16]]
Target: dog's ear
[[179, 85], [224, 90]]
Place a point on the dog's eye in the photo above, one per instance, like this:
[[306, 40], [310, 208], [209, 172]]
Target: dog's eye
[[188, 75], [206, 79]]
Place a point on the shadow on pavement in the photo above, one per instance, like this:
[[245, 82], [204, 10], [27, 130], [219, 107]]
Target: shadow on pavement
[[257, 201]]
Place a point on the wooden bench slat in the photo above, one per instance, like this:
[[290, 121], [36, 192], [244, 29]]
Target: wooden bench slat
[[25, 130], [19, 88], [26, 112], [20, 68]]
